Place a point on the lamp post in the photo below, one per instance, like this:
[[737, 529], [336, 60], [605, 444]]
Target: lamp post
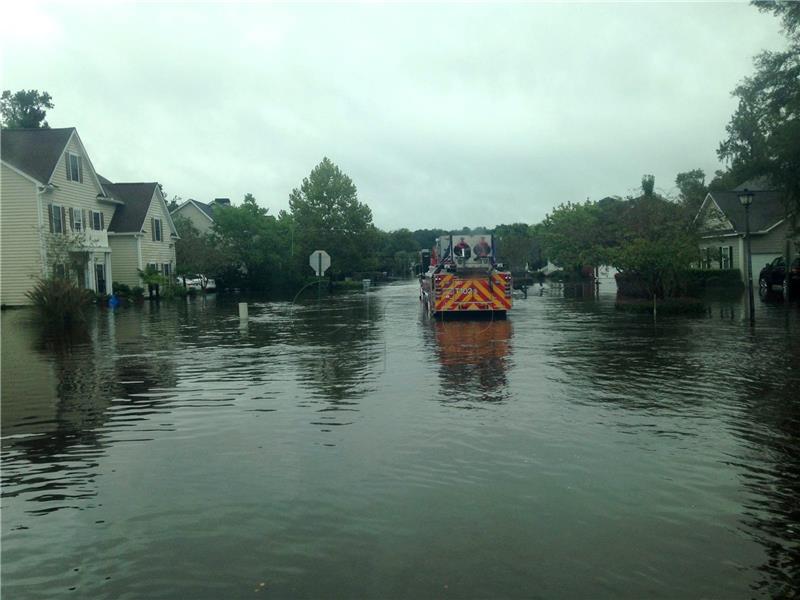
[[746, 198]]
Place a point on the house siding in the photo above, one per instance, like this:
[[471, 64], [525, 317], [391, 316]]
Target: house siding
[[78, 194], [163, 251], [20, 237], [199, 219], [125, 259], [714, 244], [773, 242]]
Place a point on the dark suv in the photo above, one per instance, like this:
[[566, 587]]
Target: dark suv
[[775, 273]]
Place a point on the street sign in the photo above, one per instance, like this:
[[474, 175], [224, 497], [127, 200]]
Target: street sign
[[319, 261]]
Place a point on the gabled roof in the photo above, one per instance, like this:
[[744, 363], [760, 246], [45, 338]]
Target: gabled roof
[[206, 209], [766, 211], [129, 218], [35, 152]]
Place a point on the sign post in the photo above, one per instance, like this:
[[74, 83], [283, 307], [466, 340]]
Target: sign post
[[320, 261]]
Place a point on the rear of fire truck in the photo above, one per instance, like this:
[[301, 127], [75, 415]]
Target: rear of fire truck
[[461, 277]]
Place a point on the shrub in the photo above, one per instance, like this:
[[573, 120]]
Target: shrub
[[59, 301], [669, 306]]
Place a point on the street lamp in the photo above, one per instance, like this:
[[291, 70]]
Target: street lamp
[[746, 198]]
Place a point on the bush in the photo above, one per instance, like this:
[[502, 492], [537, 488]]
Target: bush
[[670, 306], [121, 289], [59, 301]]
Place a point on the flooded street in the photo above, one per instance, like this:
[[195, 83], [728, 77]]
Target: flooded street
[[359, 450]]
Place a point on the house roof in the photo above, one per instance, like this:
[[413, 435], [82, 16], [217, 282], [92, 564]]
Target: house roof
[[129, 218], [766, 211], [756, 184], [35, 152], [205, 208]]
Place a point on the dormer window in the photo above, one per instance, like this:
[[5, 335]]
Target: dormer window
[[74, 168]]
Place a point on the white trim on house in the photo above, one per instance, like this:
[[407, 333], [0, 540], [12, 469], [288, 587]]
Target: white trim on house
[[166, 212], [205, 214], [139, 250], [40, 218], [85, 155], [120, 233], [23, 174], [768, 229]]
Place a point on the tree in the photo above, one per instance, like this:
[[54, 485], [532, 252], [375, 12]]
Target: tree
[[328, 216], [569, 236], [763, 135], [197, 253], [255, 246], [517, 247], [25, 108], [692, 190]]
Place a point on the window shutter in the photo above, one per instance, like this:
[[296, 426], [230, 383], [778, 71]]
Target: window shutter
[[63, 220], [72, 218], [66, 162], [83, 218], [102, 221], [50, 217], [152, 229], [80, 169]]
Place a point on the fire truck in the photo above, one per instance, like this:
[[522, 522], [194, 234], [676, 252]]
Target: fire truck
[[460, 276]]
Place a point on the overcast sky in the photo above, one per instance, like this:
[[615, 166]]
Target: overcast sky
[[444, 116]]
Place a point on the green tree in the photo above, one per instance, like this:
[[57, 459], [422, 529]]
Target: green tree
[[25, 108], [692, 190], [254, 244], [197, 253], [570, 236], [763, 135], [517, 247], [328, 216]]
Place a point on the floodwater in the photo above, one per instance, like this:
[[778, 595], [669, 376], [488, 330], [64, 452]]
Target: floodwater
[[357, 450]]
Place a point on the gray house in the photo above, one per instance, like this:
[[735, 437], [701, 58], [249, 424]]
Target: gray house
[[721, 222], [200, 214]]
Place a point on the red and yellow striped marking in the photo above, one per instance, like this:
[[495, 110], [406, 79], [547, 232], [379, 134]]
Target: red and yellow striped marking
[[455, 294]]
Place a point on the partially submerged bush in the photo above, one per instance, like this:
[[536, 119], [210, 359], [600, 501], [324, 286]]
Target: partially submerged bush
[[59, 301], [669, 306]]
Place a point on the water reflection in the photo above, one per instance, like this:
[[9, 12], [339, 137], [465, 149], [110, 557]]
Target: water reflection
[[474, 359], [61, 396], [200, 458]]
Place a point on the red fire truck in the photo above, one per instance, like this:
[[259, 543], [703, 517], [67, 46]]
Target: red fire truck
[[460, 276]]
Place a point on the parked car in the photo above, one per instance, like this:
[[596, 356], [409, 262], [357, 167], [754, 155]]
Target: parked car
[[776, 274], [198, 282]]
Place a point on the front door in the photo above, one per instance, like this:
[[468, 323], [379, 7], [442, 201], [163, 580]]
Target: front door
[[100, 275]]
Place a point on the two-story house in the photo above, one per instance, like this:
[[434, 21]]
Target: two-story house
[[141, 233], [54, 213], [722, 227], [59, 217], [200, 214]]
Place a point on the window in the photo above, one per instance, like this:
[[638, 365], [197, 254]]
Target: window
[[60, 271], [166, 269], [74, 167], [156, 230], [97, 222], [57, 218], [77, 219]]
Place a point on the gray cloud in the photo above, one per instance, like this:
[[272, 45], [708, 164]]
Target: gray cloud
[[443, 115]]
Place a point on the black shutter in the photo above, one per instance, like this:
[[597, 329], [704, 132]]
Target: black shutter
[[50, 217], [66, 160], [102, 221], [152, 229], [80, 169], [72, 218], [63, 220]]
